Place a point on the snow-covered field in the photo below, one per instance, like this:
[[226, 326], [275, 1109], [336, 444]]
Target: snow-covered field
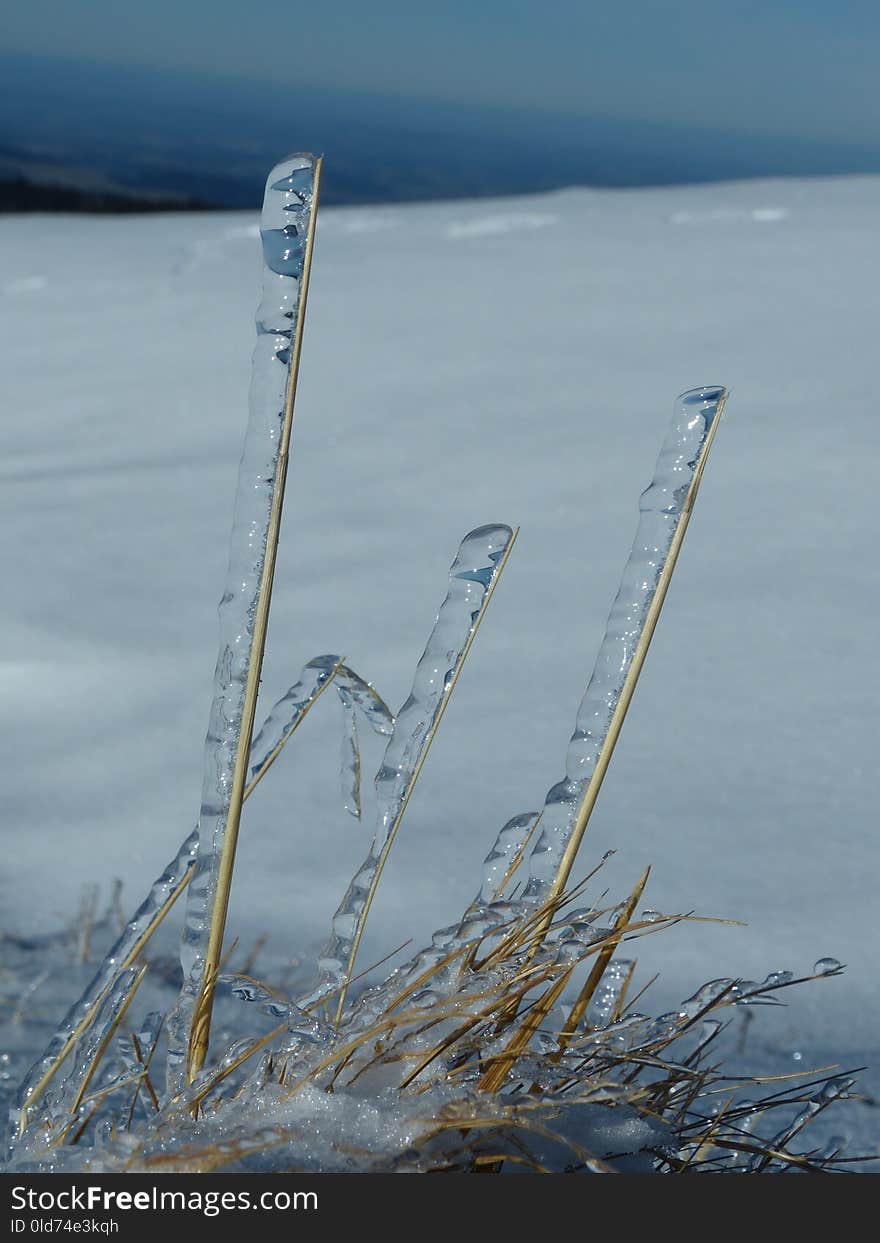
[[464, 362]]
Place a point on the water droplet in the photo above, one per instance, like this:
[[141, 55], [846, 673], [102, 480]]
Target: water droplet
[[834, 1090], [776, 978], [826, 966], [705, 996], [569, 950], [749, 993]]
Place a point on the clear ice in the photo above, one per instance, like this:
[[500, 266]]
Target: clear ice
[[108, 975], [284, 227], [661, 508], [511, 842], [63, 1097], [356, 696], [290, 709]]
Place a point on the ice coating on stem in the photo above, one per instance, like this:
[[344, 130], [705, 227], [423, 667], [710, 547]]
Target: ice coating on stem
[[284, 230], [661, 508], [247, 989], [60, 1103], [355, 695], [350, 758], [609, 992], [367, 700], [511, 840], [488, 909], [471, 578], [290, 709], [135, 932], [831, 1090]]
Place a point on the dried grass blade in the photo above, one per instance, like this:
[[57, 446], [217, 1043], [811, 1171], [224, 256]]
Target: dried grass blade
[[603, 958]]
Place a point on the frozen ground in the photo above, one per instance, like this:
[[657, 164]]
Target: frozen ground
[[510, 361]]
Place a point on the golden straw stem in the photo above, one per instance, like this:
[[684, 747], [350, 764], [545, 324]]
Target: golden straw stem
[[389, 841], [494, 1076], [107, 1037], [201, 1022], [603, 958]]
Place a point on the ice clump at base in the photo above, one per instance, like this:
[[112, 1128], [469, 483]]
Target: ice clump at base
[[662, 507], [471, 578], [284, 229]]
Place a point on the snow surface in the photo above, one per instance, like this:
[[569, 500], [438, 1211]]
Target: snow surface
[[464, 363]]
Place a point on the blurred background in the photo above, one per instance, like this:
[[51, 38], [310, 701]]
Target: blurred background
[[110, 107]]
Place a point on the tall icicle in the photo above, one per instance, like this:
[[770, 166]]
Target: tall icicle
[[285, 230], [471, 580], [662, 507]]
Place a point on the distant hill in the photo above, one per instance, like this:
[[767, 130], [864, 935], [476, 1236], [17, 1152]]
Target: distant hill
[[20, 195], [130, 138]]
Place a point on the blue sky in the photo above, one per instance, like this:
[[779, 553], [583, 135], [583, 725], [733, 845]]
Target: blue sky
[[802, 68]]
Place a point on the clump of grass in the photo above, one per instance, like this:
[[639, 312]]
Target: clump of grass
[[461, 1059]]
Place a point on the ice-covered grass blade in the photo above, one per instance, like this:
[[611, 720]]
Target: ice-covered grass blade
[[356, 694], [665, 512], [288, 234], [167, 888], [288, 714], [603, 958], [62, 1104], [473, 577]]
